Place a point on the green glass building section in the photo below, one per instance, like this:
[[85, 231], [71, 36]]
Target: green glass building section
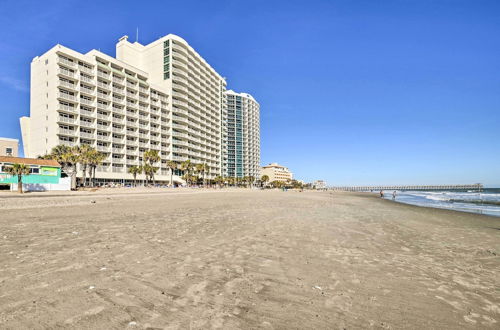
[[235, 138], [166, 60]]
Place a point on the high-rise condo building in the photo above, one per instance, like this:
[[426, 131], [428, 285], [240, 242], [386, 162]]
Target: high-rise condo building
[[243, 135], [162, 96]]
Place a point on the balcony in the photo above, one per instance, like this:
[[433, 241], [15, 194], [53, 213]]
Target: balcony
[[117, 150], [132, 105], [65, 131], [67, 143], [118, 120], [85, 69], [143, 144], [120, 91], [102, 168], [103, 116], [105, 86], [103, 96], [102, 148], [118, 110], [102, 106], [85, 90], [86, 101], [67, 84], [117, 130], [104, 75], [87, 124], [86, 112], [117, 140], [67, 96], [117, 169], [103, 137], [132, 133], [66, 120], [118, 80], [66, 62], [102, 127], [86, 79], [131, 124], [118, 100], [87, 135]]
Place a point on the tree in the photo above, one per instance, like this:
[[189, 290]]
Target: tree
[[94, 158], [68, 158], [19, 170], [200, 168], [84, 155], [134, 170], [150, 157], [251, 180], [207, 170], [149, 171], [172, 166], [187, 167], [264, 179]]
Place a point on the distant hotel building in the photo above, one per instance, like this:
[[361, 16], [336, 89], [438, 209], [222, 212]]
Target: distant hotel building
[[276, 172], [162, 96], [243, 135]]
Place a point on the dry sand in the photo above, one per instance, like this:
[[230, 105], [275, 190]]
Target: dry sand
[[242, 259]]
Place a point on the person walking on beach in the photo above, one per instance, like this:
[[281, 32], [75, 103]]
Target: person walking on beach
[[394, 195], [381, 194]]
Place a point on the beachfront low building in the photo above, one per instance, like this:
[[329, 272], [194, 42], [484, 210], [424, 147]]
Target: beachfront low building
[[319, 184], [276, 172], [44, 174], [9, 147]]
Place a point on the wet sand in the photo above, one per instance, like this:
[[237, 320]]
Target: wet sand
[[243, 259]]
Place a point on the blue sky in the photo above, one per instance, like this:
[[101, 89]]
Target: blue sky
[[353, 92]]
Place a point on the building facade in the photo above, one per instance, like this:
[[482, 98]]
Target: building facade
[[276, 172], [44, 174], [243, 135], [9, 147], [162, 96]]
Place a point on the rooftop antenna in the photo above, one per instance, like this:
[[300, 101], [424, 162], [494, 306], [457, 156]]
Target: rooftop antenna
[[137, 35]]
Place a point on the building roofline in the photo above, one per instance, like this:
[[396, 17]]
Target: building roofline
[[29, 161]]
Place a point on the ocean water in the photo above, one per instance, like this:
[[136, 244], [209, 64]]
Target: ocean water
[[485, 202]]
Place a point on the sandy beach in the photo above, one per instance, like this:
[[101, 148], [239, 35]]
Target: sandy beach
[[243, 259]]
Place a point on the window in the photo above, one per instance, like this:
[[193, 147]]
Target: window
[[8, 151]]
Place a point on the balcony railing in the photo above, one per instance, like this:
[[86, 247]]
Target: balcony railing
[[67, 96], [67, 120], [66, 131], [87, 124]]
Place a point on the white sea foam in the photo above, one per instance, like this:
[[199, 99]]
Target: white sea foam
[[461, 201]]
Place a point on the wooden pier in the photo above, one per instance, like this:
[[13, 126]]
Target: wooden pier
[[456, 187]]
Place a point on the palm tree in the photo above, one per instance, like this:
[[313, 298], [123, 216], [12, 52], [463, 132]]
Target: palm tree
[[84, 155], [187, 167], [172, 166], [134, 170], [206, 170], [264, 179], [68, 158], [19, 170], [95, 158], [151, 157], [200, 168], [149, 171], [251, 180]]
